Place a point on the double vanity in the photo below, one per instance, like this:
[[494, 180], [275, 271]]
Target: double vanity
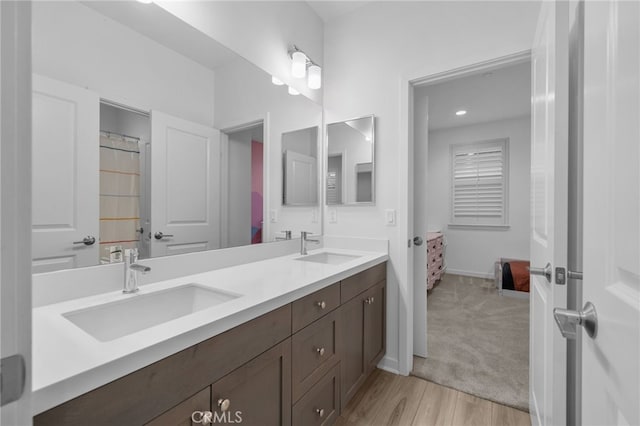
[[284, 340]]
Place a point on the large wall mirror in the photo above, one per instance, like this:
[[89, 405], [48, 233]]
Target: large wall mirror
[[149, 134], [350, 161]]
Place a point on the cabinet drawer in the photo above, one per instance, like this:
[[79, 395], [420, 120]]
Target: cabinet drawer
[[180, 415], [315, 349], [316, 305], [352, 286], [321, 405]]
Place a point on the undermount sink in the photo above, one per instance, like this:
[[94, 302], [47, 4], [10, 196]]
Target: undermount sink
[[328, 258], [112, 320]]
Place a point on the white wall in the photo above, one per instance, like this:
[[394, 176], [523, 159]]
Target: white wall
[[367, 53], [245, 93], [474, 251], [239, 193], [77, 45], [260, 31]]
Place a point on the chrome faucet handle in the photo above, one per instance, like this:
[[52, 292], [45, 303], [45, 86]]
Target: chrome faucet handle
[[287, 236]]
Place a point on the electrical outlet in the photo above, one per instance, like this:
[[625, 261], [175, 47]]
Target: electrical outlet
[[390, 217], [273, 216], [333, 215]]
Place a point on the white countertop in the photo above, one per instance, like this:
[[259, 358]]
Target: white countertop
[[68, 362]]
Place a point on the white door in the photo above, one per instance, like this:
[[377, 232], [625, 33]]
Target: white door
[[420, 173], [611, 361], [65, 155], [549, 180], [185, 194], [301, 177]]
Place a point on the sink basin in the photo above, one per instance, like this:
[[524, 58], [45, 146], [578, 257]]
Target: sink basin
[[328, 258], [112, 320]]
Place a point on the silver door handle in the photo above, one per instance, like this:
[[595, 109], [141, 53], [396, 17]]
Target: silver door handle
[[87, 241], [417, 241], [159, 235], [568, 321], [545, 272]]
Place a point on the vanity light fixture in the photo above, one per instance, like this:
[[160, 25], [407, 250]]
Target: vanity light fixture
[[300, 63], [293, 91], [315, 80], [461, 112], [276, 81]]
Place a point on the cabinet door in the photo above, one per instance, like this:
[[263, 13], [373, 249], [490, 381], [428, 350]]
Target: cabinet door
[[352, 370], [374, 326], [258, 393], [180, 415]]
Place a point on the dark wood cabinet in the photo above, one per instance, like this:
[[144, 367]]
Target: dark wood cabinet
[[298, 364], [180, 415], [363, 330], [259, 392]]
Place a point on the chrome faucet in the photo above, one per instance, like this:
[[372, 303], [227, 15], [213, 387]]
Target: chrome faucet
[[287, 236], [303, 242], [131, 269]]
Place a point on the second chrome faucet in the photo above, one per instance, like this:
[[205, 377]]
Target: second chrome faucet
[[304, 240]]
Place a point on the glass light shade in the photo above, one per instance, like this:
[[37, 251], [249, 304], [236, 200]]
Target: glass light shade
[[293, 91], [315, 79], [276, 81], [298, 64]]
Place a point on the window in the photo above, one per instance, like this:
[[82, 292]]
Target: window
[[479, 183]]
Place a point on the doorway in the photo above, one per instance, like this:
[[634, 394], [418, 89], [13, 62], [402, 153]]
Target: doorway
[[471, 207], [243, 185]]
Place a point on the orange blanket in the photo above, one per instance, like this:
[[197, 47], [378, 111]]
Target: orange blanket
[[520, 273]]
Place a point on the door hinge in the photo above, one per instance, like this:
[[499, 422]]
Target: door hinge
[[12, 379]]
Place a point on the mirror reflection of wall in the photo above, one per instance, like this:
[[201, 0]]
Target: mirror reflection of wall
[[350, 161], [244, 187], [300, 167]]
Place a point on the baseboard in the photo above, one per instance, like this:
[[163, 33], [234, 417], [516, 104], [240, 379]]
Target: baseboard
[[515, 294], [389, 364], [470, 274]]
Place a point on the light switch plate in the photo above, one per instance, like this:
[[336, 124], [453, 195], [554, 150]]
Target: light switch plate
[[333, 215], [273, 216], [390, 217]]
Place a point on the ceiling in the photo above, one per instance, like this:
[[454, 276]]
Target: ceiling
[[489, 96], [327, 10]]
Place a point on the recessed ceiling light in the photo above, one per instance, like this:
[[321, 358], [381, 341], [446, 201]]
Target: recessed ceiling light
[[461, 112]]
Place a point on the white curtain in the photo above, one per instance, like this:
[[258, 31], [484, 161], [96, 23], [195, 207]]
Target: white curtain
[[119, 195]]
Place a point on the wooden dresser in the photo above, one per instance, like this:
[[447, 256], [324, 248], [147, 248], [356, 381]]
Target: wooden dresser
[[435, 258]]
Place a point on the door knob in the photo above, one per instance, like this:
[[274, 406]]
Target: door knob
[[545, 272], [568, 321], [417, 241], [87, 241], [159, 235], [224, 404]]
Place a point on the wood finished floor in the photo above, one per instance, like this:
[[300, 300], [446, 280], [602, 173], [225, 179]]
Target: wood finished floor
[[388, 399]]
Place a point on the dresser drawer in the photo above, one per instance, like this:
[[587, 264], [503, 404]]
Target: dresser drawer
[[321, 405], [315, 350], [316, 305], [352, 286]]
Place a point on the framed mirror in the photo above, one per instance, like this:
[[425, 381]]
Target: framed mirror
[[149, 134], [351, 162], [300, 167]]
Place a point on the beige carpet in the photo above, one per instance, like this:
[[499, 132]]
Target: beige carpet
[[478, 341]]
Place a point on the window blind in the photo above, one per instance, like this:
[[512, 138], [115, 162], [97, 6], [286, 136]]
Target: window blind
[[479, 183]]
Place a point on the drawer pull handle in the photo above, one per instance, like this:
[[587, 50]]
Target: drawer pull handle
[[224, 404], [321, 304], [202, 417], [369, 300], [320, 351], [320, 412]]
